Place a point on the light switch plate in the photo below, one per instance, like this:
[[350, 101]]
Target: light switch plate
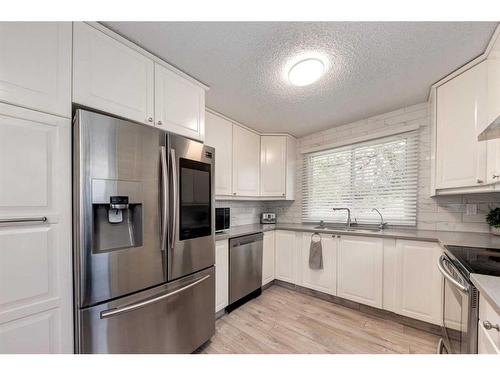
[[470, 209]]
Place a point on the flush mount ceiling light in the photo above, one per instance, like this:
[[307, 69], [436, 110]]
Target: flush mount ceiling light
[[306, 72]]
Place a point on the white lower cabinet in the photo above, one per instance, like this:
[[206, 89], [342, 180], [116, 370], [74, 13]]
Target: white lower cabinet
[[35, 257], [418, 283], [268, 258], [286, 256], [488, 340], [221, 274], [360, 269], [325, 279]]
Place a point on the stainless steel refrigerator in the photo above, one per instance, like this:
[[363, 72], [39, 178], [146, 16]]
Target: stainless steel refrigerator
[[143, 238]]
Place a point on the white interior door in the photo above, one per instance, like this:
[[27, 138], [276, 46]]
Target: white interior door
[[360, 269], [110, 76], [219, 134], [35, 65], [35, 261], [179, 104]]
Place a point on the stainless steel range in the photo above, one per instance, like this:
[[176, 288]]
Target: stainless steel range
[[144, 238]]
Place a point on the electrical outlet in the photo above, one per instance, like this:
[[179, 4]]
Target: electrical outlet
[[470, 209]]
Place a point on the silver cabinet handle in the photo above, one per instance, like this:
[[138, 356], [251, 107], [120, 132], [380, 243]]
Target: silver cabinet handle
[[448, 276], [164, 198], [120, 310], [487, 325], [150, 119], [494, 176], [173, 174], [159, 122], [479, 181], [41, 219]]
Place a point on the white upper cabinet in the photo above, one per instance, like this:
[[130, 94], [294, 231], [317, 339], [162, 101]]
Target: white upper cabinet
[[35, 66], [360, 269], [246, 162], [110, 76], [179, 104], [460, 114], [219, 134], [273, 165], [325, 279], [268, 257]]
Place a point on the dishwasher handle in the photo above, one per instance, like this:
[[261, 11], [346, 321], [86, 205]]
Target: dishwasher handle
[[245, 240]]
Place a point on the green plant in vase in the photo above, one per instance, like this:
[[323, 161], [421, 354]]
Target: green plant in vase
[[493, 219]]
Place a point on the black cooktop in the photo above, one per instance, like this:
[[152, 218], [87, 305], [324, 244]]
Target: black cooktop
[[475, 259]]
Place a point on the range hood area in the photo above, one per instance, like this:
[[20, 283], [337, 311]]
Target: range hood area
[[492, 131]]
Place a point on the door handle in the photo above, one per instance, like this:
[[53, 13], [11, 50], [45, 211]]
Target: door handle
[[448, 276], [42, 219], [134, 306], [164, 198], [173, 219]]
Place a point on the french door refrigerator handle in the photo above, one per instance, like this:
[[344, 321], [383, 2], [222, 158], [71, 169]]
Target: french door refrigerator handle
[[134, 306], [164, 198], [449, 277], [175, 198]]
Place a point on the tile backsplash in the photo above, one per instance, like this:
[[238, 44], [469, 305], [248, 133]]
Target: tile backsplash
[[437, 213]]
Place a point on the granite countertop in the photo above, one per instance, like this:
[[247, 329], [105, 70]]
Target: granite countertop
[[489, 287], [443, 237]]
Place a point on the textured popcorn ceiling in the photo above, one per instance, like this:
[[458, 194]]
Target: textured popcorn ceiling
[[374, 67]]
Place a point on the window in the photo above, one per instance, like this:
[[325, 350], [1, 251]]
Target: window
[[377, 174]]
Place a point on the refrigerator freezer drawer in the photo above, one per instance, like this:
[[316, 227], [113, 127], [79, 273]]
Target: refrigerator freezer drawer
[[176, 317]]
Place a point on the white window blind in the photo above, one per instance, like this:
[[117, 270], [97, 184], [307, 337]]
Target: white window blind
[[377, 174]]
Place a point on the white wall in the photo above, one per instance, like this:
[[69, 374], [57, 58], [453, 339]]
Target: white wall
[[440, 213]]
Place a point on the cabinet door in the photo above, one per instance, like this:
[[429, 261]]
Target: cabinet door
[[493, 163], [110, 76], [219, 134], [273, 165], [268, 258], [461, 112], [360, 269], [221, 274], [286, 256], [35, 65], [246, 162], [35, 261], [323, 280], [485, 344], [418, 281], [179, 104]]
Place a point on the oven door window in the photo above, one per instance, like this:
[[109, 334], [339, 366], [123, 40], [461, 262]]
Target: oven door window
[[455, 318], [195, 203]]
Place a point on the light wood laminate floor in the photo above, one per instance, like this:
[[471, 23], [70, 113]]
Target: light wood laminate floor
[[286, 321]]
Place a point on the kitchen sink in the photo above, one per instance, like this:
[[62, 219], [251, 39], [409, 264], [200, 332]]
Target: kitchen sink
[[351, 229]]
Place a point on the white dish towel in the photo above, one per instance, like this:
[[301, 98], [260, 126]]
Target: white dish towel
[[316, 253]]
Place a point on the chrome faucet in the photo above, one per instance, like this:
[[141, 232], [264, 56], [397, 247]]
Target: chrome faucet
[[348, 224], [382, 223]]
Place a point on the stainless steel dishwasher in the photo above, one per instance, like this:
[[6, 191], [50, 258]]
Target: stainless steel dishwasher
[[245, 269]]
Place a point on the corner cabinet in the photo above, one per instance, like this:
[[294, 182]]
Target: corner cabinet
[[219, 134], [286, 256], [246, 162], [277, 166], [179, 104], [35, 66], [110, 76], [36, 293]]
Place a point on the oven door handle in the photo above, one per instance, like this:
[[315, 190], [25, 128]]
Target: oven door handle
[[450, 278]]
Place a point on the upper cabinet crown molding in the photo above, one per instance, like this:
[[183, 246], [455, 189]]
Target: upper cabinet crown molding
[[35, 66]]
